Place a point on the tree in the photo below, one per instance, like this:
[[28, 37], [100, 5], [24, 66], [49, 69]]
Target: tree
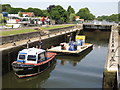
[[20, 14], [16, 10], [70, 10], [46, 13], [59, 14], [6, 7], [100, 18], [29, 9], [84, 13], [72, 17], [38, 12], [113, 17]]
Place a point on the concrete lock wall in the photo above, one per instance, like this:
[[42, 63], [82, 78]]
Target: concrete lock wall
[[18, 37]]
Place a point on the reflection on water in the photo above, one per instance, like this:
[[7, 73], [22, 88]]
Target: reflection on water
[[29, 82], [73, 59]]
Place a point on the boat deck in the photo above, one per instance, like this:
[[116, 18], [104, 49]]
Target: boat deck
[[58, 49]]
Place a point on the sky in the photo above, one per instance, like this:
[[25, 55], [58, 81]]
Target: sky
[[97, 7]]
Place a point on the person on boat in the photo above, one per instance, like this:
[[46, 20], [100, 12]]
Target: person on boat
[[40, 44], [73, 46], [71, 42]]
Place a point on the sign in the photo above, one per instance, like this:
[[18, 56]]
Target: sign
[[80, 37], [5, 14]]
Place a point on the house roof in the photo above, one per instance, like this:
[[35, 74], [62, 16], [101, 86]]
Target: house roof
[[28, 13]]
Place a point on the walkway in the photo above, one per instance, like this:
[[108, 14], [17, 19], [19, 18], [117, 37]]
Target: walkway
[[118, 73]]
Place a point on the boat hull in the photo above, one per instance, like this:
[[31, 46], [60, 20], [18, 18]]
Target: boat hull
[[66, 52], [22, 70]]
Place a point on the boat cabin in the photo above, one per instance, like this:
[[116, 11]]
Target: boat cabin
[[31, 55]]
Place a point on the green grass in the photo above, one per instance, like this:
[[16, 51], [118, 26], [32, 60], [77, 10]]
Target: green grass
[[53, 27], [13, 32], [2, 24]]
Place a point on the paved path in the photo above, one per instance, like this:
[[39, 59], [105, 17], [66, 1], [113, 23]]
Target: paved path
[[112, 59], [119, 64]]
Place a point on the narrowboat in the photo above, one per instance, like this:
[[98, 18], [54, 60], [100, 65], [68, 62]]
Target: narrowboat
[[32, 61]]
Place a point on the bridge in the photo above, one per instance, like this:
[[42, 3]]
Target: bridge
[[98, 25]]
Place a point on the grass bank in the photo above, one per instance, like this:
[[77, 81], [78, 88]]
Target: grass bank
[[13, 32]]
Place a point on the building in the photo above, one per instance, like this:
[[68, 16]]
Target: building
[[27, 14]]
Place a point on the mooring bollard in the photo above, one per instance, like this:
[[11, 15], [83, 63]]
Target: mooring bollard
[[48, 35], [112, 50], [14, 44], [112, 45]]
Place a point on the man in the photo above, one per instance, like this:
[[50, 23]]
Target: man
[[40, 44]]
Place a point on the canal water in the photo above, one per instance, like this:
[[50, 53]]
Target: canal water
[[85, 71]]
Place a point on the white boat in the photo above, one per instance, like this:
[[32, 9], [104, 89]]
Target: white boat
[[32, 61]]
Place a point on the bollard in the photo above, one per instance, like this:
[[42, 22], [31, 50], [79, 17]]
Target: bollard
[[40, 37], [112, 59], [112, 50], [48, 35], [29, 40], [112, 41], [112, 45], [14, 44]]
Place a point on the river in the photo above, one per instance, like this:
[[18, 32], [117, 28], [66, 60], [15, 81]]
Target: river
[[84, 71]]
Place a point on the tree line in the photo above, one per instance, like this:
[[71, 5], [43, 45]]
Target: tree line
[[113, 17], [59, 14]]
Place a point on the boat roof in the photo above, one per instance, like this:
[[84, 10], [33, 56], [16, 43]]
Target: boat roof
[[32, 51]]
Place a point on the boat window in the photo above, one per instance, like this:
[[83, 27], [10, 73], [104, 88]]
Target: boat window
[[41, 57], [22, 57], [31, 58]]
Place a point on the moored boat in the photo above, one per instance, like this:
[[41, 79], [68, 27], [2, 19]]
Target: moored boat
[[32, 61], [65, 48], [73, 47]]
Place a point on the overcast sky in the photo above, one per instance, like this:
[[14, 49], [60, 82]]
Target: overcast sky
[[97, 7]]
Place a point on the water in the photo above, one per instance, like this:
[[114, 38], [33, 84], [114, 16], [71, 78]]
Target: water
[[85, 71]]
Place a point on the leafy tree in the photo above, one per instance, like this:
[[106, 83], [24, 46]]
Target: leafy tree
[[20, 14], [72, 17], [38, 12], [6, 7], [16, 10], [70, 10], [29, 9], [46, 13], [50, 8], [84, 13], [59, 14], [100, 18], [113, 17]]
